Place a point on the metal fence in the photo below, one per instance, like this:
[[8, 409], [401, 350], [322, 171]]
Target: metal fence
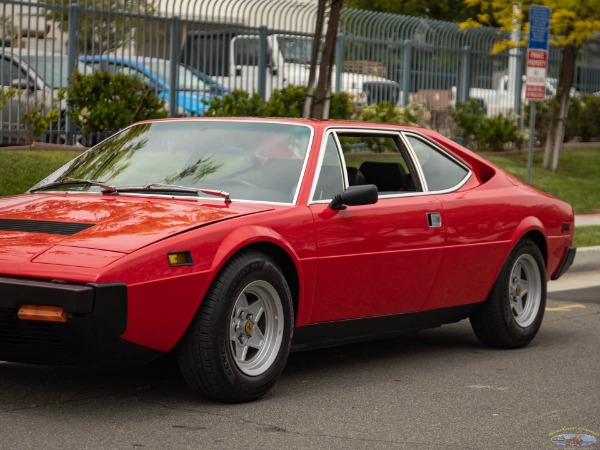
[[190, 50]]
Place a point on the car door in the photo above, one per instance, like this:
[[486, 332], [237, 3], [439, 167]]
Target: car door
[[375, 259], [477, 229]]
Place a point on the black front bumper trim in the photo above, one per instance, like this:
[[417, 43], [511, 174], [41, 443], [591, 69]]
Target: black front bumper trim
[[91, 335]]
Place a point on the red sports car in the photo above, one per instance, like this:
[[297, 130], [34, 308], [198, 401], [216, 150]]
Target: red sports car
[[234, 241]]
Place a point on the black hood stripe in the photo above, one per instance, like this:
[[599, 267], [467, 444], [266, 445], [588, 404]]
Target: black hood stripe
[[44, 226]]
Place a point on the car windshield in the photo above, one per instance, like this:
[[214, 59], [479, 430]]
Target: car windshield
[[296, 49], [256, 161]]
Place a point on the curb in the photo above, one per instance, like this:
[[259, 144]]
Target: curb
[[586, 259]]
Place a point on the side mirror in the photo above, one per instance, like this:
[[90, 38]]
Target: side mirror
[[23, 84], [365, 194]]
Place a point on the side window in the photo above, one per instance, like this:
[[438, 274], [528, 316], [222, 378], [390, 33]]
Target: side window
[[377, 159], [246, 51], [331, 180], [10, 72], [441, 172]]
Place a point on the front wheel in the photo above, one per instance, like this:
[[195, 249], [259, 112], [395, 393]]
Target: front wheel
[[513, 312], [239, 340]]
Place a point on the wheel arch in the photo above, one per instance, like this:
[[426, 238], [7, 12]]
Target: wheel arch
[[285, 263], [530, 228], [269, 242]]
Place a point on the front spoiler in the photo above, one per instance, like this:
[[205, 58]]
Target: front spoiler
[[97, 317]]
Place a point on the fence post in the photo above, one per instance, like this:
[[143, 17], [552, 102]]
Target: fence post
[[72, 56], [406, 63], [262, 62], [465, 62], [340, 45], [174, 64], [519, 81]]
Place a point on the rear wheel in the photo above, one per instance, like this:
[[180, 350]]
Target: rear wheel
[[239, 340], [512, 314]]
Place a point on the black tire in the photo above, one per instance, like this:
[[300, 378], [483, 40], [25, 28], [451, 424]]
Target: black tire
[[211, 354], [513, 312]]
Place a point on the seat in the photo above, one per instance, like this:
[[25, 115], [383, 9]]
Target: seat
[[355, 176], [387, 176]]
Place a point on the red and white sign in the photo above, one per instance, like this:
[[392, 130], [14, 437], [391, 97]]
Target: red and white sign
[[537, 53], [537, 66]]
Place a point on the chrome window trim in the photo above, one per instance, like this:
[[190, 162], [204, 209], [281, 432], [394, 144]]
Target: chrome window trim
[[327, 132], [443, 151], [353, 129]]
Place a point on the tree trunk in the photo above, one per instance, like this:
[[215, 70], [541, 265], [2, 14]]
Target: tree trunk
[[549, 136], [567, 72], [559, 117], [324, 84], [308, 101]]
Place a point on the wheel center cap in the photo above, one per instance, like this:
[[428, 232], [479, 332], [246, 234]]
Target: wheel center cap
[[249, 327], [518, 290]]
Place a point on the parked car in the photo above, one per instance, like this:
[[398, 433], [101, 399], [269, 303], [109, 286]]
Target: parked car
[[194, 88], [233, 241], [38, 77]]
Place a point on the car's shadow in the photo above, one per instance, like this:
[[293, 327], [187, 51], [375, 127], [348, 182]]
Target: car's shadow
[[25, 386]]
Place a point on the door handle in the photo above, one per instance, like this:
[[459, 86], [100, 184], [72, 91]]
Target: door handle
[[434, 219]]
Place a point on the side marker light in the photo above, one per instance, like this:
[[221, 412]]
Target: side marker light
[[180, 258]]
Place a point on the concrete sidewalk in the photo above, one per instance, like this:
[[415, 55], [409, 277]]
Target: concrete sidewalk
[[582, 220], [587, 258]]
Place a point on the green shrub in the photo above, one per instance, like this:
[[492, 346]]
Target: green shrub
[[237, 103], [38, 120], [543, 112], [6, 95], [485, 133], [468, 118], [583, 120], [413, 114], [105, 103], [498, 132], [286, 102]]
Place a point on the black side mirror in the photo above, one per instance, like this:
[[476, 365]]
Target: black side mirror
[[365, 194]]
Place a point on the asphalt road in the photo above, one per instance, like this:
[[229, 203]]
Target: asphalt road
[[437, 390]]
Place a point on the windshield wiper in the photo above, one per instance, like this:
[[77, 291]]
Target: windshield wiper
[[106, 188], [160, 187]]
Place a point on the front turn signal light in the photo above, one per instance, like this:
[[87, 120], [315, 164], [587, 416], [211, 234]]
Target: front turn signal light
[[42, 313]]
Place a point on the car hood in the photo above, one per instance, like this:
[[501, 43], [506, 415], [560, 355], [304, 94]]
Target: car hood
[[31, 224]]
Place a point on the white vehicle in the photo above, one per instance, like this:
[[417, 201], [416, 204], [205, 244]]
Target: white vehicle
[[500, 100], [37, 78], [233, 60]]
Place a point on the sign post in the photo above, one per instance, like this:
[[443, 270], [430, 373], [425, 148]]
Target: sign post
[[537, 68]]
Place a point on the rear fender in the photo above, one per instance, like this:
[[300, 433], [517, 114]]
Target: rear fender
[[528, 225]]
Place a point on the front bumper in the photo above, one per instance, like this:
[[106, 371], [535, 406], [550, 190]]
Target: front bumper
[[96, 317]]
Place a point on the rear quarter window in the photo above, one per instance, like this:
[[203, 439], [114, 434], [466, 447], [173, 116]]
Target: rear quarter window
[[440, 170]]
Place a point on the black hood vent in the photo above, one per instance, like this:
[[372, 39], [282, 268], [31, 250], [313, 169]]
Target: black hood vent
[[43, 226]]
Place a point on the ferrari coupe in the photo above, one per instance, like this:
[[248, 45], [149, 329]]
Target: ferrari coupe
[[232, 242]]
